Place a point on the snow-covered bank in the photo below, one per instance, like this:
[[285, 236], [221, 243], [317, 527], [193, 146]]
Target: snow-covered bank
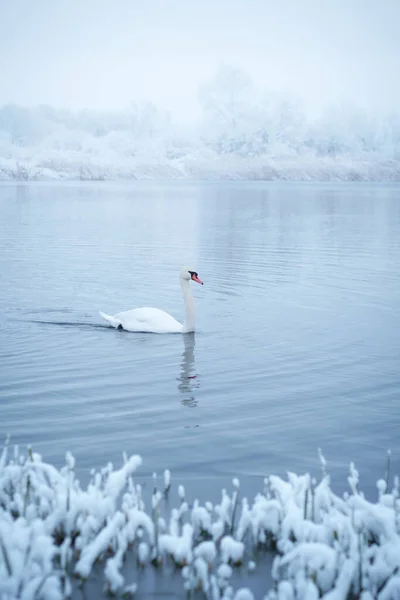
[[242, 132], [53, 532], [33, 166]]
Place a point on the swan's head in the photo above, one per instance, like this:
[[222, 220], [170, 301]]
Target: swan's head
[[187, 274]]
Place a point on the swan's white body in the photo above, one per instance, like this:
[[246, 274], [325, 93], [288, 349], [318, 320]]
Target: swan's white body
[[146, 319], [154, 320]]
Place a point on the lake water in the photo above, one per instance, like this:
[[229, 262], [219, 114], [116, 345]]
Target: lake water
[[298, 326]]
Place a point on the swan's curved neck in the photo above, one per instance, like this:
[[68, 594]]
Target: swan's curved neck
[[188, 324]]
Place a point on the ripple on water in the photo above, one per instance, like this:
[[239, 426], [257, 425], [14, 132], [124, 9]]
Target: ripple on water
[[297, 342]]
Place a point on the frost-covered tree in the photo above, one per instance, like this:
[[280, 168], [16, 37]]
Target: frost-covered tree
[[244, 131], [227, 96], [284, 122], [24, 125], [230, 116], [239, 119]]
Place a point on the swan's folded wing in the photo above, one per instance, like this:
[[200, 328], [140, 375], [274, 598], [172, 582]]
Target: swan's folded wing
[[149, 319], [142, 315]]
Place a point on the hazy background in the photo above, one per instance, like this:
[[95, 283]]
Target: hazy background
[[329, 60], [97, 54]]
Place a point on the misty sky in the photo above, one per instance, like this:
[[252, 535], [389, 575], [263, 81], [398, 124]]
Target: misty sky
[[105, 54]]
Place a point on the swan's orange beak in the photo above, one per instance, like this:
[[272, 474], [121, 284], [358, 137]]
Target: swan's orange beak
[[197, 278]]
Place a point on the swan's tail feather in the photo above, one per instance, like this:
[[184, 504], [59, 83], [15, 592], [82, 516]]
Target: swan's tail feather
[[113, 321]]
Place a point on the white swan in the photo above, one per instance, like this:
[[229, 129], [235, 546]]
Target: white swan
[[154, 320]]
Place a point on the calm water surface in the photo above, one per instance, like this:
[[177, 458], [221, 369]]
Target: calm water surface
[[298, 326]]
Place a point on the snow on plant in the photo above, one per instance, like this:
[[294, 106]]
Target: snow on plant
[[242, 133], [53, 531]]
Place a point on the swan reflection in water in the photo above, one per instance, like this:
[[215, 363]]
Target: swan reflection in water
[[188, 379]]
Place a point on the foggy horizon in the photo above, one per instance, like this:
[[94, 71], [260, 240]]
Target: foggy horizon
[[97, 56], [243, 89]]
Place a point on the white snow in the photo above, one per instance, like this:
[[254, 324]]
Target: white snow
[[94, 549], [328, 546], [167, 480], [243, 594], [181, 492], [117, 479], [240, 135], [130, 590], [251, 565], [143, 553], [207, 551], [231, 550], [224, 571], [179, 548], [114, 578], [201, 519]]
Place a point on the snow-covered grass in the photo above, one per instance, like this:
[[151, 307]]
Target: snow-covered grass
[[31, 165], [241, 133], [53, 532]]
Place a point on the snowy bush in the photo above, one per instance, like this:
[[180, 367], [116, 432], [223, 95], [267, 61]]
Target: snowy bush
[[243, 133], [53, 532]]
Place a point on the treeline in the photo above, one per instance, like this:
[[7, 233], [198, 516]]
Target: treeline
[[238, 122]]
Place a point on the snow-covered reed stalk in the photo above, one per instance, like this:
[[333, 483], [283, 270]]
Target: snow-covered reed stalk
[[235, 496], [389, 454], [155, 502], [6, 558], [312, 487], [305, 514], [167, 481], [26, 497]]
